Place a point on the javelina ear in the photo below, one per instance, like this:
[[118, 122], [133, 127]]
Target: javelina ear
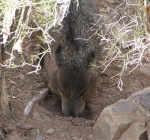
[[90, 57], [58, 55]]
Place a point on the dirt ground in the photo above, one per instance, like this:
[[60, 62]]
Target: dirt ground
[[45, 123]]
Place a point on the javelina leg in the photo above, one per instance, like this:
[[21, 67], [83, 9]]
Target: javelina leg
[[39, 98]]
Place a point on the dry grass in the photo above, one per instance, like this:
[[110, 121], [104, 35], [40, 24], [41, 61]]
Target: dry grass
[[126, 39], [40, 16]]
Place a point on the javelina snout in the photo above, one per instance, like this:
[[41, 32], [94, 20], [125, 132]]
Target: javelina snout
[[76, 78]]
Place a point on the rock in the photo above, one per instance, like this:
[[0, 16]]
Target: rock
[[12, 82], [21, 77], [69, 118], [75, 138], [82, 138], [40, 137], [91, 137], [24, 126], [50, 131], [62, 135], [126, 119], [89, 122], [108, 9], [18, 90], [13, 97], [110, 1], [9, 129]]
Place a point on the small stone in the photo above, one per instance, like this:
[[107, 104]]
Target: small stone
[[82, 138], [13, 97], [12, 82], [110, 1], [24, 126], [21, 77], [90, 122], [13, 87], [69, 118], [40, 137], [108, 9], [18, 90], [91, 137], [9, 129], [38, 85], [102, 10], [50, 131], [75, 138]]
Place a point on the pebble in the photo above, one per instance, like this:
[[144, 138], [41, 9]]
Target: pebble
[[13, 97], [24, 126], [9, 129], [12, 82], [21, 77], [82, 138], [110, 1], [90, 122], [102, 10], [75, 138], [40, 137], [108, 9], [50, 131], [62, 135], [91, 137], [18, 90], [69, 118]]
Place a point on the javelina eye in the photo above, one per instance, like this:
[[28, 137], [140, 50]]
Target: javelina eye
[[82, 92]]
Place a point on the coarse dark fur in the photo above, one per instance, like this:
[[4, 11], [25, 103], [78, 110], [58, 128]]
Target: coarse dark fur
[[70, 74]]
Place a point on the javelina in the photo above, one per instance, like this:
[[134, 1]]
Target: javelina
[[70, 76], [69, 73]]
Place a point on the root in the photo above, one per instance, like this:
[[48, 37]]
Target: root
[[36, 100]]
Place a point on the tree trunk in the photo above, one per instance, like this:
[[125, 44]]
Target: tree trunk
[[4, 99], [8, 47]]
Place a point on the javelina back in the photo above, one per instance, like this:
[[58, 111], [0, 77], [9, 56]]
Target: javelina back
[[69, 73]]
